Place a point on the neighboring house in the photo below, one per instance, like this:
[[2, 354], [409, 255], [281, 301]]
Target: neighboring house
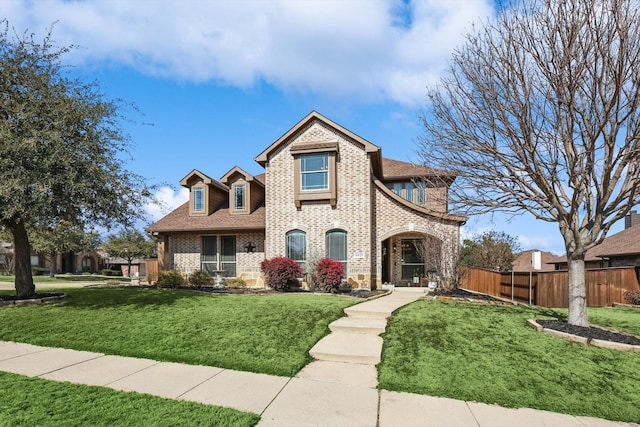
[[325, 192], [534, 260], [618, 250], [122, 265]]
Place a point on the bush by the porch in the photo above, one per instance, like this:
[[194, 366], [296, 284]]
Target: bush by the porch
[[280, 272], [329, 273], [200, 278], [170, 279]]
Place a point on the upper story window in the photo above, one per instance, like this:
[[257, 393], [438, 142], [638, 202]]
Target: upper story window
[[422, 193], [198, 199], [314, 170], [410, 191], [239, 197]]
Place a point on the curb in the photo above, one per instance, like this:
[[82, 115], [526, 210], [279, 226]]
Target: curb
[[582, 340]]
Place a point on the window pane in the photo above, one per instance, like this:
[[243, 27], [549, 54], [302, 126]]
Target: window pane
[[315, 181], [314, 170], [410, 253], [314, 163], [198, 199], [408, 191], [337, 245], [337, 248], [421, 193], [228, 255], [228, 250], [397, 188], [297, 245], [209, 249], [239, 197]]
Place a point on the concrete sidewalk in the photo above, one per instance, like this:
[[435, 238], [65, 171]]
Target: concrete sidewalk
[[332, 391]]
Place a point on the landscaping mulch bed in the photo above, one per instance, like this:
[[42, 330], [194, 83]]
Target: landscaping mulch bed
[[466, 295], [356, 293], [589, 332]]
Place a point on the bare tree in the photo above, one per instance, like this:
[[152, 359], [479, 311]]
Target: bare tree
[[539, 113]]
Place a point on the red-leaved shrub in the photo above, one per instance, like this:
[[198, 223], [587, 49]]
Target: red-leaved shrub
[[280, 272], [329, 274]]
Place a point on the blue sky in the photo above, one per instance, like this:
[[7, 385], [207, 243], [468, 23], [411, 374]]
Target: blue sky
[[216, 82]]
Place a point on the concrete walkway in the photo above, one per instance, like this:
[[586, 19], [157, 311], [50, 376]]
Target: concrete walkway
[[338, 389]]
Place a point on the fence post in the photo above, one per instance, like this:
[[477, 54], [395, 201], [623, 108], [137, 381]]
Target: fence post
[[530, 273], [512, 286]]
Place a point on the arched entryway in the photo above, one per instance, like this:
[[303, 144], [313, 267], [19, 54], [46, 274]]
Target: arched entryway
[[411, 259]]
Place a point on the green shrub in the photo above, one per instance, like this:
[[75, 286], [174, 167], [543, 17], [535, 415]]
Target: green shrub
[[37, 271], [200, 278], [329, 274], [235, 283], [632, 297], [170, 279], [281, 273]]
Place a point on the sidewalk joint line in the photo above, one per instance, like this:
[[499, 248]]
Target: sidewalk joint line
[[276, 396], [73, 364]]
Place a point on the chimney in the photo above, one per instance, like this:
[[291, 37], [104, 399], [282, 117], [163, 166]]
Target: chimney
[[633, 218], [536, 260]]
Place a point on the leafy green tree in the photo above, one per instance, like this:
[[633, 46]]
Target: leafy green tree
[[62, 145], [129, 244], [64, 237], [494, 250]]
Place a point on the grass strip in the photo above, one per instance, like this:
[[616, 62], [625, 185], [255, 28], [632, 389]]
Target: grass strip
[[486, 353], [28, 401], [269, 334]]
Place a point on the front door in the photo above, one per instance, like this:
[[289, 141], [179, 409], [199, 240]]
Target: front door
[[412, 260]]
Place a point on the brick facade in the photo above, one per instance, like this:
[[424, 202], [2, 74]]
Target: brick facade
[[351, 214], [356, 200]]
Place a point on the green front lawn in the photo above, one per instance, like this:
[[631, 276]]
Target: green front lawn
[[36, 402], [269, 334], [487, 354]]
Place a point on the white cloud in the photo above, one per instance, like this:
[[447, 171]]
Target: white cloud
[[373, 50], [168, 200]]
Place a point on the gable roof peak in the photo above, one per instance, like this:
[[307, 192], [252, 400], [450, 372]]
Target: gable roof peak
[[205, 180], [263, 157]]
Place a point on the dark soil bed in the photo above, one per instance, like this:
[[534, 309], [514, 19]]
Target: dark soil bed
[[590, 332], [463, 294], [356, 293]]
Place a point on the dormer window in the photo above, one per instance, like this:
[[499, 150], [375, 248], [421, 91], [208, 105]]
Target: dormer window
[[314, 170], [239, 197], [198, 199]]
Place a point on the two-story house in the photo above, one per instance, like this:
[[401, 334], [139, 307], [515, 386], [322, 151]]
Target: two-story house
[[325, 192]]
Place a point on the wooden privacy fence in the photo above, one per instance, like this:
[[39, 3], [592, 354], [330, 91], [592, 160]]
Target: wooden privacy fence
[[152, 270], [605, 286]]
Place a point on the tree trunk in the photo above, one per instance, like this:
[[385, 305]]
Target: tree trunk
[[22, 255], [577, 291], [53, 264]]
